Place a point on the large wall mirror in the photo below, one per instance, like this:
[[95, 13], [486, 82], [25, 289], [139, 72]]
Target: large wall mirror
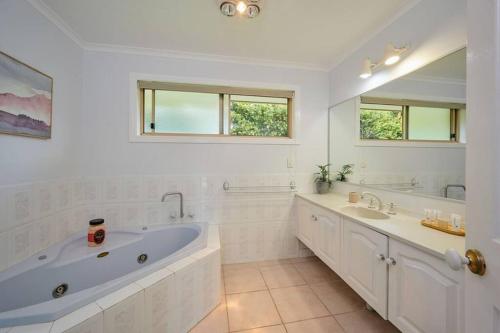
[[407, 135]]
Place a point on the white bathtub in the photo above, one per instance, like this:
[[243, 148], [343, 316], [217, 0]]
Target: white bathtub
[[93, 281]]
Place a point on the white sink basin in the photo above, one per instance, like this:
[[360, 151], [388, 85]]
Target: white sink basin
[[366, 213]]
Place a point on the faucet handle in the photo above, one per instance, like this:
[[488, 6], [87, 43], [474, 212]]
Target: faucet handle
[[372, 203], [390, 208]]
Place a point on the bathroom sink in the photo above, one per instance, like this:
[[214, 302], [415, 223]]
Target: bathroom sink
[[366, 213]]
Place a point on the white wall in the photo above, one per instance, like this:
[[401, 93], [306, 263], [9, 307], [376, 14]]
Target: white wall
[[27, 36], [253, 226], [432, 28], [36, 206], [106, 149]]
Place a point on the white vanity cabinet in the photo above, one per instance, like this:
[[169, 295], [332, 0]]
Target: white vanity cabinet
[[320, 230], [425, 295], [415, 290], [328, 237], [306, 223], [363, 264]]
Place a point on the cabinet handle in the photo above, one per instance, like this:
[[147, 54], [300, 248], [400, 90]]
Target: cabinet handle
[[380, 257], [314, 217], [390, 261]]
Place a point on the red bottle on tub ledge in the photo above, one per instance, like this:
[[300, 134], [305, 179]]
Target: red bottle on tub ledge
[[97, 232]]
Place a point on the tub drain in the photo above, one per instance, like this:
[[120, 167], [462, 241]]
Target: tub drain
[[141, 259], [60, 290]]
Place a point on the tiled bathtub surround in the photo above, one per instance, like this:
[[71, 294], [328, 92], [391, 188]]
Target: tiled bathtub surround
[[252, 226], [33, 217], [170, 300]]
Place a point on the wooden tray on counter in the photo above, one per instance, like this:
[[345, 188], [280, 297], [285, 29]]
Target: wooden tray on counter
[[434, 224]]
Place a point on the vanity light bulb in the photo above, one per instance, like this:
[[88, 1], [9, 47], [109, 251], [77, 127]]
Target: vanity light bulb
[[392, 60], [392, 55], [241, 7]]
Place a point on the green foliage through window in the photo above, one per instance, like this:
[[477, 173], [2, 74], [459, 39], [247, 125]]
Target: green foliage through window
[[381, 125], [259, 119]]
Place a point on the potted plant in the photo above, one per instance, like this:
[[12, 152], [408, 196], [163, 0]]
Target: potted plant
[[322, 179], [345, 171]]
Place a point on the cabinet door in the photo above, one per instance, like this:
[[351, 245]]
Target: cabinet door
[[364, 268], [306, 223], [425, 295], [327, 240]]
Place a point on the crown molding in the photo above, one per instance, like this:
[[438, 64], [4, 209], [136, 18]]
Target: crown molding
[[123, 49], [433, 79], [372, 35], [53, 17]]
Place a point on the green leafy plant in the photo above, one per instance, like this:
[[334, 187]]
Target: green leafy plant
[[345, 171], [323, 175]]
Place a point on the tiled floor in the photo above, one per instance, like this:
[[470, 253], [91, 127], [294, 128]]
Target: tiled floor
[[289, 296]]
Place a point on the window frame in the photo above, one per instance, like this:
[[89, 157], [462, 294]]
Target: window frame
[[220, 90], [405, 142]]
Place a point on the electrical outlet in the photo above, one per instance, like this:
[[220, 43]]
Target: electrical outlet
[[290, 163]]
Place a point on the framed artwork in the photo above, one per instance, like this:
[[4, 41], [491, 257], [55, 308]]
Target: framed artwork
[[25, 99]]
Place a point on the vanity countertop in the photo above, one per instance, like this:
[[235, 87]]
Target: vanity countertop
[[402, 226]]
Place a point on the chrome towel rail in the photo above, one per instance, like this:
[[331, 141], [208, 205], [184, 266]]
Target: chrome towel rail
[[292, 187]]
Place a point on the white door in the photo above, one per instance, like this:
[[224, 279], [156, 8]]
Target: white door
[[482, 293], [425, 295], [327, 238], [363, 264]]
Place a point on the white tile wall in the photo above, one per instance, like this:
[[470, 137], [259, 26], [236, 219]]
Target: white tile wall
[[253, 226]]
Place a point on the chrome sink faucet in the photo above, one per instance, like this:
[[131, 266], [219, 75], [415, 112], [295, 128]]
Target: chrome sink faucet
[[379, 201], [181, 200]]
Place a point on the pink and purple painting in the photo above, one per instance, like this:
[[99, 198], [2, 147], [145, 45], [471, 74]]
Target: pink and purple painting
[[25, 99]]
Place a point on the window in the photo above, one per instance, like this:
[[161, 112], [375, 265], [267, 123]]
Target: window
[[191, 109], [405, 120]]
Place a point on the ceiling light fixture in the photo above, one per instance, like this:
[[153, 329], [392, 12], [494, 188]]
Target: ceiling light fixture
[[367, 69], [246, 8], [391, 56]]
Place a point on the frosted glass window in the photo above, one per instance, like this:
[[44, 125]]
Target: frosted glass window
[[425, 123], [186, 112], [148, 110], [169, 108]]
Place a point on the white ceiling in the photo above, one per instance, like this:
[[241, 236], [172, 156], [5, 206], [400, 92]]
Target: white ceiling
[[308, 33]]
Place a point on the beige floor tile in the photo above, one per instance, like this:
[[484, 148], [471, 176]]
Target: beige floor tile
[[268, 329], [239, 267], [215, 322], [243, 278], [366, 322], [281, 276], [317, 325], [251, 310], [272, 262], [315, 272], [301, 259], [298, 303], [338, 296]]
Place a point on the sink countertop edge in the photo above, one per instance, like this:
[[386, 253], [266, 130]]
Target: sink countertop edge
[[335, 203]]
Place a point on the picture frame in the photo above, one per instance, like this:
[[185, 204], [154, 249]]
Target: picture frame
[[25, 99]]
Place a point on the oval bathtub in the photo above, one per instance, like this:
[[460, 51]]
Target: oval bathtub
[[29, 291]]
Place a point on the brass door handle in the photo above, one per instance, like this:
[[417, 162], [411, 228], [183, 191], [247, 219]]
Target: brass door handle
[[473, 259]]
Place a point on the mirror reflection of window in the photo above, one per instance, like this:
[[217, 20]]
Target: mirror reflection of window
[[411, 121]]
